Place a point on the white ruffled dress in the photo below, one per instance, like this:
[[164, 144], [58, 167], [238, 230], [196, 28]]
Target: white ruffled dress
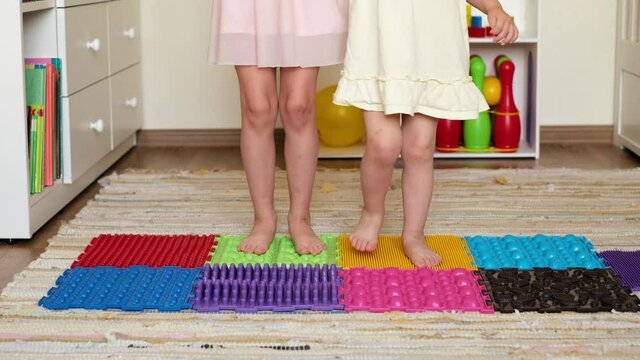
[[408, 57]]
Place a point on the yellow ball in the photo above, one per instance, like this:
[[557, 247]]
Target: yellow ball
[[338, 126], [492, 90]]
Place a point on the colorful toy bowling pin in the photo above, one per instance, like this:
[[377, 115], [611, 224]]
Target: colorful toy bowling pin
[[448, 135], [498, 60], [477, 133], [506, 124]]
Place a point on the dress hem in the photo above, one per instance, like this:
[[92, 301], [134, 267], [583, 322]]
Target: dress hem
[[412, 110], [441, 98]]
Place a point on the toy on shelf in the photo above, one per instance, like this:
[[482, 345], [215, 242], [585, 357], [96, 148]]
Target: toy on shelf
[[477, 133], [448, 135], [492, 90], [506, 127], [338, 126], [476, 30], [502, 123]]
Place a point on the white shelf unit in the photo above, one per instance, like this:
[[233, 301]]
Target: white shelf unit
[[526, 17], [38, 30]]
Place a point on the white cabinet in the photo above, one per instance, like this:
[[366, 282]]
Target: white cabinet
[[627, 90], [99, 47], [126, 104], [88, 134], [124, 34], [83, 45]]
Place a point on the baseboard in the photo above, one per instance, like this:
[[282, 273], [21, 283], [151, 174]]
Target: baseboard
[[195, 138], [582, 134]]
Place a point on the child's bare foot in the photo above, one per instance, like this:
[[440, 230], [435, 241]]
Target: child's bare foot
[[365, 237], [416, 249], [261, 236], [304, 238]]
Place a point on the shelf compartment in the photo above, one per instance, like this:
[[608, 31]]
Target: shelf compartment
[[70, 3], [523, 39], [526, 151], [35, 198], [38, 5]]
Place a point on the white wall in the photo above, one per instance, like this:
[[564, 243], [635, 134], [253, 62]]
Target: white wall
[[577, 62], [182, 91]]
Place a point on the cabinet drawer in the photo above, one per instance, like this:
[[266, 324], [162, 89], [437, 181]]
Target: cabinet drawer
[[83, 45], [124, 34], [126, 106], [86, 129]]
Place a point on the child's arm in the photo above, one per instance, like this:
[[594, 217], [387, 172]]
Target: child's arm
[[503, 29]]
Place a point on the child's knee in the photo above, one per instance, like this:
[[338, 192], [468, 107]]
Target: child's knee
[[260, 113], [418, 152], [383, 148], [297, 113]]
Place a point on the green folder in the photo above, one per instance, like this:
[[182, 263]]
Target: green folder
[[32, 151], [35, 83]]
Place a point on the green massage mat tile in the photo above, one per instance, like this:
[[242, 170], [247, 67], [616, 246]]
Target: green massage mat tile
[[281, 251]]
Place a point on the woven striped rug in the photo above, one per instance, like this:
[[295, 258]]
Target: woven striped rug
[[602, 205]]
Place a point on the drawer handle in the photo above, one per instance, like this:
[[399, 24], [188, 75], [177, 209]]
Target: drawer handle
[[94, 45], [97, 126], [132, 103], [131, 33]]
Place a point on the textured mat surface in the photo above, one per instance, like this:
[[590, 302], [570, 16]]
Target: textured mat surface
[[187, 251], [281, 252], [528, 252], [547, 290], [391, 254], [384, 290], [267, 288], [626, 265], [134, 288], [602, 205]]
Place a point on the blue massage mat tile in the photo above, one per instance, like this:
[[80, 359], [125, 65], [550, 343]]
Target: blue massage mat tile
[[135, 288]]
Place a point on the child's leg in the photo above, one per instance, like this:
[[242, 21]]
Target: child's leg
[[297, 110], [384, 142], [417, 186], [259, 112]]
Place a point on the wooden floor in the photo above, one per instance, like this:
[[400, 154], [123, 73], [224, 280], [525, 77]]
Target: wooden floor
[[14, 258]]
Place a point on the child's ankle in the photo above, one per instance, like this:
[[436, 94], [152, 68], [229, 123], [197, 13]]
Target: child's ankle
[[412, 236], [265, 218]]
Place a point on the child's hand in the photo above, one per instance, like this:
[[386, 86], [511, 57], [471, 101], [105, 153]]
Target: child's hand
[[503, 29]]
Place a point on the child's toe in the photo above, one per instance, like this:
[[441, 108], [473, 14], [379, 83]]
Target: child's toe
[[353, 239], [433, 260], [370, 246], [302, 250], [260, 249], [317, 249]]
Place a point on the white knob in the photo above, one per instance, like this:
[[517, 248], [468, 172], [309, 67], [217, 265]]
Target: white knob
[[94, 45], [132, 103], [131, 33], [97, 126]]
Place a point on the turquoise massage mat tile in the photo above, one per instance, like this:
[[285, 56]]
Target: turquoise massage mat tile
[[529, 252]]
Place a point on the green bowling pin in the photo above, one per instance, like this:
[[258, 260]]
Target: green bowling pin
[[477, 133]]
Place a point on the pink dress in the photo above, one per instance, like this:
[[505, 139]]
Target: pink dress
[[279, 33]]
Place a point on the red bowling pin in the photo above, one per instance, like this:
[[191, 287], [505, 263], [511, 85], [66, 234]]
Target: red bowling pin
[[506, 128], [448, 135]]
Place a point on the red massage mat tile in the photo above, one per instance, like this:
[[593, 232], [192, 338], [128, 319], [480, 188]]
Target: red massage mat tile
[[186, 251]]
